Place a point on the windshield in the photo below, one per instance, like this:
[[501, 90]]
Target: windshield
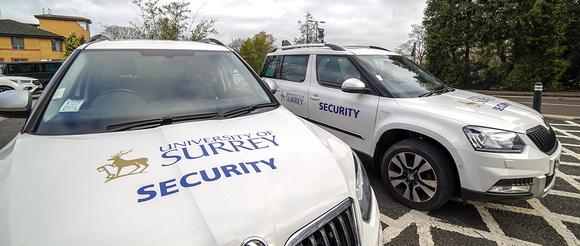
[[402, 77], [106, 87]]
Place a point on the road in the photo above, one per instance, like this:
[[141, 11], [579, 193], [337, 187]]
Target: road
[[568, 106], [553, 220]]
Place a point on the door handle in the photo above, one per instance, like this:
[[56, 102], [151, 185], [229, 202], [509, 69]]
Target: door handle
[[315, 97]]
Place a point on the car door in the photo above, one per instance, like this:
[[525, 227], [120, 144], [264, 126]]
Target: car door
[[289, 72], [349, 116]]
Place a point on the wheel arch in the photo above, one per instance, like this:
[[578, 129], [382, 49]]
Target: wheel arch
[[393, 135]]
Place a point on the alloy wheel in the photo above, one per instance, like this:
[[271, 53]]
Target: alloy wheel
[[412, 176]]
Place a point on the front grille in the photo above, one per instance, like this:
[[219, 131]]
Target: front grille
[[544, 139], [515, 182], [335, 227]]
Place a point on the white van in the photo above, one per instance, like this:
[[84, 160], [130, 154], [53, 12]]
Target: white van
[[428, 141], [174, 143]]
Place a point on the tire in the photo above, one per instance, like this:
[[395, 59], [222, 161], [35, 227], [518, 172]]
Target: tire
[[5, 88], [431, 178]]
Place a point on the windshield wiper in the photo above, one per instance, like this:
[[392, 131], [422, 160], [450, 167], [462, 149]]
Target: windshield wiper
[[160, 121], [247, 109], [438, 91]]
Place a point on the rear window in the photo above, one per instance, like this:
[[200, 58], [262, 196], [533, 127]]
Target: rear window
[[271, 67], [294, 68]]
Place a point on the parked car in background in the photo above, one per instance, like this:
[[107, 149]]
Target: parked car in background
[[428, 141], [175, 143], [8, 83], [40, 70]]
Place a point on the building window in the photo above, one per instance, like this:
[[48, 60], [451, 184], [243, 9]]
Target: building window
[[17, 43], [56, 45], [14, 59]]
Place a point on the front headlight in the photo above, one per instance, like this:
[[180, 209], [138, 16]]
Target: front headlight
[[18, 81], [494, 140], [363, 189]]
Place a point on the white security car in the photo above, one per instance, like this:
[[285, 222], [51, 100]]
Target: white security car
[[174, 143], [8, 83], [428, 141]]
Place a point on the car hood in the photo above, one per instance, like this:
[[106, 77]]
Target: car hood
[[470, 108], [63, 190]]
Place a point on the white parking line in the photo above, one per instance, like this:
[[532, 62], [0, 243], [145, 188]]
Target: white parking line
[[1, 119], [570, 164], [565, 193], [573, 123], [566, 133], [573, 145], [557, 224]]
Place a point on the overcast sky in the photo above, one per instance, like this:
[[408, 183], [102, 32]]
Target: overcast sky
[[365, 22]]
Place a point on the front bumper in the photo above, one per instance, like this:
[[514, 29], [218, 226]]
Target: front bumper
[[482, 171]]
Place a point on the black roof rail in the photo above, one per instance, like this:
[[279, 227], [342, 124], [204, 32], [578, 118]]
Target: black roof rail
[[367, 46], [212, 40], [97, 38], [318, 45]]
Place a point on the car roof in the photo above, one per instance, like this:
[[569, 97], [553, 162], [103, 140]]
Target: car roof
[[324, 50], [152, 45]]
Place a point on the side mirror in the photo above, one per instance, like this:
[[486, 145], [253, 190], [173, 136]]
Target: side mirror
[[354, 85], [15, 104], [272, 85]]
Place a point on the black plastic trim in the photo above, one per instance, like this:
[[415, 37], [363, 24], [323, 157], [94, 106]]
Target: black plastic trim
[[334, 128]]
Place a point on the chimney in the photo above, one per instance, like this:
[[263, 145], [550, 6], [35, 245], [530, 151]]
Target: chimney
[[49, 11], [43, 11]]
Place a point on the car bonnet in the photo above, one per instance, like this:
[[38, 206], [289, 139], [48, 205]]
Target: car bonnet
[[182, 184]]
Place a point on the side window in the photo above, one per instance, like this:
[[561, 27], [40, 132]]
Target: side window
[[333, 70], [27, 68], [271, 67], [294, 68]]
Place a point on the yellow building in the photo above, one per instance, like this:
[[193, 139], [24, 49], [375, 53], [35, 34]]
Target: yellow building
[[36, 42]]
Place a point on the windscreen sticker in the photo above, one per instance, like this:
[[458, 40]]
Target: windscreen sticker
[[58, 93], [340, 110], [71, 106], [501, 106]]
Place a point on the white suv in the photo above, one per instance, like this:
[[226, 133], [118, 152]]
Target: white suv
[[428, 141], [8, 83], [174, 143]]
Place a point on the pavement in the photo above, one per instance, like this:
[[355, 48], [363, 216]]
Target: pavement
[[554, 105], [553, 220]]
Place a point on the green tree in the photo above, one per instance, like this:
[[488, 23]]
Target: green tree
[[307, 30], [171, 21], [415, 45], [254, 50], [71, 42], [508, 44]]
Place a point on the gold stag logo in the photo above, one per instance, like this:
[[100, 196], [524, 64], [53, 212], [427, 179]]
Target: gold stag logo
[[115, 170]]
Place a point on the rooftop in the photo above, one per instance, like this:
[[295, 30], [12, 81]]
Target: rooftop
[[62, 17], [154, 45], [14, 28]]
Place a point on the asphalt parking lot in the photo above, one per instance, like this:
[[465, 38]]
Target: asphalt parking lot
[[553, 220]]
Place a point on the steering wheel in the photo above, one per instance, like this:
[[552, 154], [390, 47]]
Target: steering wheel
[[119, 99]]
